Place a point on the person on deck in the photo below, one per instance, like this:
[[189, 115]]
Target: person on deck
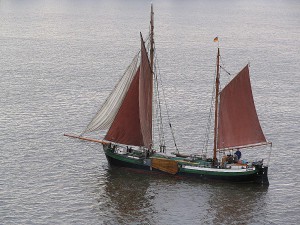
[[238, 154]]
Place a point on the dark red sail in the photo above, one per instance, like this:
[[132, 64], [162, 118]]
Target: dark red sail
[[133, 122], [238, 124], [126, 128], [145, 97]]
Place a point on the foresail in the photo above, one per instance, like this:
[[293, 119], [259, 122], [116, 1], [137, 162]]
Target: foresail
[[238, 123], [106, 114]]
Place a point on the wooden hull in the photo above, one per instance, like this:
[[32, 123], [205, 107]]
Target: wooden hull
[[259, 174]]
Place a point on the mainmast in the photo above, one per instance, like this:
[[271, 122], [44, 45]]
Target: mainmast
[[216, 106], [151, 38]]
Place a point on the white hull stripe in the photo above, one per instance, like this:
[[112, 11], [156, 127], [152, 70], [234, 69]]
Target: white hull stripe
[[218, 170]]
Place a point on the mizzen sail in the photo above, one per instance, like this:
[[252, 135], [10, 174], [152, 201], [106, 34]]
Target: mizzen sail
[[238, 123]]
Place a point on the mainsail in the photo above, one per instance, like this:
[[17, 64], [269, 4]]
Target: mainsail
[[129, 119], [145, 96], [238, 123], [126, 128]]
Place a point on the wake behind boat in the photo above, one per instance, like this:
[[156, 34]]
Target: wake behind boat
[[127, 115]]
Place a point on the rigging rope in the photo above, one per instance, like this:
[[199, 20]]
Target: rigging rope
[[208, 126], [269, 157], [225, 70], [159, 111], [167, 108]]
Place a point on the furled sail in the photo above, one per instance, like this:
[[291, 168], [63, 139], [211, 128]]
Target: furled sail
[[238, 123], [106, 114], [132, 124]]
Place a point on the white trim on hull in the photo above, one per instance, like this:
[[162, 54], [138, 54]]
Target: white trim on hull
[[241, 170]]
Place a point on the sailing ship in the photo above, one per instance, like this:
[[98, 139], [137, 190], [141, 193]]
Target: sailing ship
[[127, 116]]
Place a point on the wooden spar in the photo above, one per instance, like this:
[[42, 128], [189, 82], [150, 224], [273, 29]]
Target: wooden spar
[[216, 105], [86, 139], [244, 146]]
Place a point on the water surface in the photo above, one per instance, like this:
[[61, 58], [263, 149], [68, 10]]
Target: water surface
[[59, 61]]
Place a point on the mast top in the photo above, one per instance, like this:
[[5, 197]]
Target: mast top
[[151, 37], [216, 39]]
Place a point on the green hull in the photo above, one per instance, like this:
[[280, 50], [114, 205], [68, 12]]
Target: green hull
[[193, 168]]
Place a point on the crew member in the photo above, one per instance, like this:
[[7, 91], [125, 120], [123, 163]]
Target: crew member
[[238, 154]]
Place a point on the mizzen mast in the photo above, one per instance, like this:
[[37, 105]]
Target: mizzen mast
[[216, 104]]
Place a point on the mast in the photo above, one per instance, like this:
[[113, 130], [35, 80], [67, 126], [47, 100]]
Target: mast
[[152, 49], [216, 106], [151, 38]]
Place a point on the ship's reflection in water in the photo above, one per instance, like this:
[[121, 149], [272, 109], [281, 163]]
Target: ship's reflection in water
[[128, 197], [238, 203], [134, 197]]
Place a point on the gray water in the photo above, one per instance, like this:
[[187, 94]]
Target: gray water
[[59, 61]]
